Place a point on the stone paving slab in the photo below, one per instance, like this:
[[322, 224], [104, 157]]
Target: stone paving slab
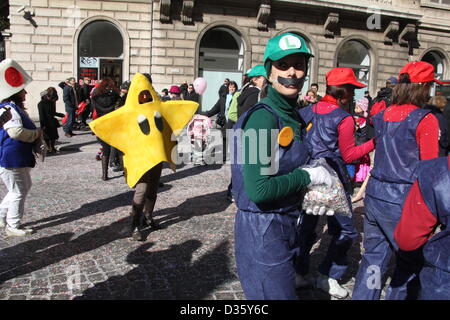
[[82, 249]]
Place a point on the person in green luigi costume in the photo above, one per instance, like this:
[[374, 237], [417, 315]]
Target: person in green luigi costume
[[267, 193]]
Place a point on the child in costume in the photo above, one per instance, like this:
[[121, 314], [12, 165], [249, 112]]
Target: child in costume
[[363, 164], [332, 136], [426, 207], [405, 134]]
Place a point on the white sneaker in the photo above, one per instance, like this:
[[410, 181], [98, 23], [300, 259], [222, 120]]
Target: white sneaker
[[18, 232], [305, 281], [331, 286]]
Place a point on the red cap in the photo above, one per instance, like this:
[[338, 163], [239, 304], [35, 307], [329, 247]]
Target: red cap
[[174, 89], [339, 76], [419, 71]]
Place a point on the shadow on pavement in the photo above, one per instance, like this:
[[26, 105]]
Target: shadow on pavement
[[38, 254], [87, 209], [72, 148], [168, 274], [196, 206], [188, 172]]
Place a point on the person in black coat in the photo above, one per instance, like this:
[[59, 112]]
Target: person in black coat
[[47, 112], [436, 105], [116, 156], [104, 100], [250, 95], [223, 90], [85, 95], [191, 95], [222, 105], [70, 98]]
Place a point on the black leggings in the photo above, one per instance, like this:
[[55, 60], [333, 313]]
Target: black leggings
[[106, 148]]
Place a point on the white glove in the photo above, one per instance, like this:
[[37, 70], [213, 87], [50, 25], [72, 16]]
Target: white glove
[[319, 211], [319, 175]]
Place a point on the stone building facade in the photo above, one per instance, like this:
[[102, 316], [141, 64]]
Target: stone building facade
[[179, 40]]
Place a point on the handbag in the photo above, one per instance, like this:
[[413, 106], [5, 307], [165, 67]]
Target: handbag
[[56, 122], [221, 120], [64, 120]]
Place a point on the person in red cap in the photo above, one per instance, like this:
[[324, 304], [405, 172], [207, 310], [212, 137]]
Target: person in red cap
[[332, 136], [405, 135], [175, 93]]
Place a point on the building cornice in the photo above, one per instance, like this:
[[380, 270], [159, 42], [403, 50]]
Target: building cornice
[[385, 10]]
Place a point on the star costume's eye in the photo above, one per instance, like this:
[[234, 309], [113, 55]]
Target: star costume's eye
[[145, 97], [143, 124], [159, 121]]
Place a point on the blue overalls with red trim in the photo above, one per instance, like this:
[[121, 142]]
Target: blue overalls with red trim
[[323, 141], [15, 153], [266, 243], [397, 156], [434, 184]]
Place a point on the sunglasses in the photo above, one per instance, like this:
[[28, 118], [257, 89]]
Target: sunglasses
[[284, 66]]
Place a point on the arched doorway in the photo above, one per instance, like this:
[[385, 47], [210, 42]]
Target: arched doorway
[[438, 61], [221, 56], [100, 51], [356, 55]]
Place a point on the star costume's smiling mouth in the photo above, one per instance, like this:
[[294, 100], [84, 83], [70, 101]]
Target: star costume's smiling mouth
[[143, 128]]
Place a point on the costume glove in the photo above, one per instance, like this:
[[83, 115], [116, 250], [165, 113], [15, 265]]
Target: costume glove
[[320, 175]]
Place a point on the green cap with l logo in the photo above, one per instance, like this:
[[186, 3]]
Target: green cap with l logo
[[284, 45]]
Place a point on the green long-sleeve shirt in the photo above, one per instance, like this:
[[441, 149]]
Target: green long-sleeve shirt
[[262, 188]]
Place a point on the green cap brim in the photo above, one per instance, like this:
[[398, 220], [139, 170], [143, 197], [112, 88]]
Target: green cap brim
[[281, 54]]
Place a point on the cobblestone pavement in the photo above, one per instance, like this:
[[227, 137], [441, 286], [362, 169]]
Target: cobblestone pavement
[[82, 249]]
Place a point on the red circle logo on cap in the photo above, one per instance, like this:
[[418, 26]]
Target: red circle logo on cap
[[13, 77]]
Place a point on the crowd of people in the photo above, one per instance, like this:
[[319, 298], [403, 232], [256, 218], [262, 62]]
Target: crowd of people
[[394, 146]]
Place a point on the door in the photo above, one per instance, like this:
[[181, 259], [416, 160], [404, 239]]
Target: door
[[111, 68]]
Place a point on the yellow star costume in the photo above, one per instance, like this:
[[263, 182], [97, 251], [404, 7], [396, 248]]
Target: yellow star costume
[[143, 131]]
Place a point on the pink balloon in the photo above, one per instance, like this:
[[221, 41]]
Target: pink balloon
[[200, 85]]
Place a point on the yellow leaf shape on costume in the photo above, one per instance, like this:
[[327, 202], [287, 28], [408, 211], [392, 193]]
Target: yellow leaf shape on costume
[[285, 136], [143, 131]]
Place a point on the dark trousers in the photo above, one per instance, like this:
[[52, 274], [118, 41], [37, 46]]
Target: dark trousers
[[68, 126], [85, 114], [335, 263], [106, 149], [145, 194], [380, 220], [266, 246]]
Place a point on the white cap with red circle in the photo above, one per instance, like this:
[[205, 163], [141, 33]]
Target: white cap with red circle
[[13, 78]]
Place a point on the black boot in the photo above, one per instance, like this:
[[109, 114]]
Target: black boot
[[137, 224], [104, 168], [148, 215]]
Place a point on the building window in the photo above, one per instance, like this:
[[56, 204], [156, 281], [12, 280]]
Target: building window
[[221, 55], [437, 60], [447, 2], [356, 55], [100, 51], [2, 49]]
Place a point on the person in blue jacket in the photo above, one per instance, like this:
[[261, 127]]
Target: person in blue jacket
[[267, 193], [331, 135], [16, 147], [405, 134], [426, 207]]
